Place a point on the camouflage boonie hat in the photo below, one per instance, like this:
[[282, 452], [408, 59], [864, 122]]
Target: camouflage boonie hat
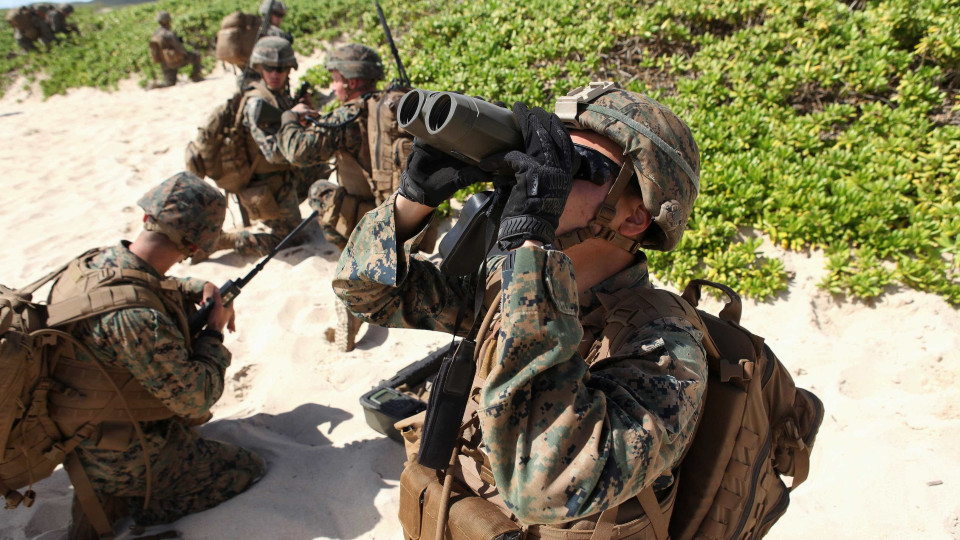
[[665, 155], [273, 51], [186, 209], [278, 8], [356, 61], [163, 17]]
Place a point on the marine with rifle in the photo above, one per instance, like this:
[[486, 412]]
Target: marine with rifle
[[363, 138], [156, 468], [270, 195], [273, 11]]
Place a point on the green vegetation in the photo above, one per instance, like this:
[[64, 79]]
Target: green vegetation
[[821, 123]]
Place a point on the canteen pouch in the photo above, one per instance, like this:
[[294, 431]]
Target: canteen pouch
[[258, 199], [469, 518]]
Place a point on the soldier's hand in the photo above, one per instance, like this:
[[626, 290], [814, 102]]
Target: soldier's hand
[[544, 176], [432, 177], [302, 108], [220, 316]]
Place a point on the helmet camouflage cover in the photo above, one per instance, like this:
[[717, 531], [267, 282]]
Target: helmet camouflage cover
[[356, 61], [273, 51], [665, 155], [186, 209], [279, 8], [66, 8], [163, 17]]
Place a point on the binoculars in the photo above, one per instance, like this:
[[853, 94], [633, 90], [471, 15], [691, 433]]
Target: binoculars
[[464, 127]]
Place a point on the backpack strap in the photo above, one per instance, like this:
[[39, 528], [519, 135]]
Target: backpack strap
[[87, 497], [632, 309], [99, 291]]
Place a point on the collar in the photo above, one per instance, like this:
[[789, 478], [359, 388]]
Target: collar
[[637, 275]]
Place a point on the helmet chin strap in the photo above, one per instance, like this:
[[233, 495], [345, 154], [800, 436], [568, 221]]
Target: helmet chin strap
[[606, 213]]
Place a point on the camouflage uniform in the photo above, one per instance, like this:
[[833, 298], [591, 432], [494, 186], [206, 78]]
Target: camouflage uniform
[[57, 19], [38, 28], [272, 177], [313, 146], [279, 8], [171, 44], [350, 134], [565, 440], [189, 473]]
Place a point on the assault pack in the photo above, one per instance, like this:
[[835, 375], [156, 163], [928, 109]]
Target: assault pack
[[220, 150], [236, 38], [50, 400], [390, 146], [755, 427], [21, 18]]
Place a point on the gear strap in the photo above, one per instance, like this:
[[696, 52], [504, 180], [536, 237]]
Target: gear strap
[[87, 497]]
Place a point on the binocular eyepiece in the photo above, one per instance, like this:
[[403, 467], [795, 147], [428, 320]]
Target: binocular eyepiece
[[464, 127]]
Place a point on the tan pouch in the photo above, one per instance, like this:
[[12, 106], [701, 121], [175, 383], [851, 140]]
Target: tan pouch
[[259, 201], [173, 58], [469, 518], [352, 208]]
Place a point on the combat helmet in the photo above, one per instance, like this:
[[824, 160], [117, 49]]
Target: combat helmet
[[66, 8], [163, 17], [186, 209], [356, 61], [278, 8], [658, 149], [273, 51]]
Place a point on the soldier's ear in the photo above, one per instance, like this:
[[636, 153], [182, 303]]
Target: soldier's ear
[[638, 221]]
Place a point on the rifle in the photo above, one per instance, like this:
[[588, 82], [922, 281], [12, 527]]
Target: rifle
[[402, 78], [302, 91], [231, 289], [264, 26]]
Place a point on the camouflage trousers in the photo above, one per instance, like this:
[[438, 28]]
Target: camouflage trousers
[[305, 177], [280, 221], [170, 72], [326, 197], [189, 474], [338, 218]]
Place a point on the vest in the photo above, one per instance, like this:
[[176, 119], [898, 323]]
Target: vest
[[354, 170], [643, 517], [89, 392], [261, 167]]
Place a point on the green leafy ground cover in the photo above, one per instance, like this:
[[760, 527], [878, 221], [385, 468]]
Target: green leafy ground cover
[[824, 124]]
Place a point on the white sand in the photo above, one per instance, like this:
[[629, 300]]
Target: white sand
[[887, 463]]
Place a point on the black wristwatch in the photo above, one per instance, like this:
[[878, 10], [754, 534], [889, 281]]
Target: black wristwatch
[[212, 333]]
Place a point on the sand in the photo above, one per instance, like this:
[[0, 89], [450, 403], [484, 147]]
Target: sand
[[887, 460]]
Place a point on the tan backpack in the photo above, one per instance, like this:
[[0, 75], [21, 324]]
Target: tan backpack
[[755, 427], [220, 149], [21, 18], [42, 420], [390, 146], [236, 38]]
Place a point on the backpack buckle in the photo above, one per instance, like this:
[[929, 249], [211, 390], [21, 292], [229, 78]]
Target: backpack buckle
[[13, 498], [742, 370]]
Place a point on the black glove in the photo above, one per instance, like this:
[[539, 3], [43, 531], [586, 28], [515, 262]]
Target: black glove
[[432, 177], [544, 175]]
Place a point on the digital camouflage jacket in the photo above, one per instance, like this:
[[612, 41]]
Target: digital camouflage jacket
[[565, 440], [149, 344]]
